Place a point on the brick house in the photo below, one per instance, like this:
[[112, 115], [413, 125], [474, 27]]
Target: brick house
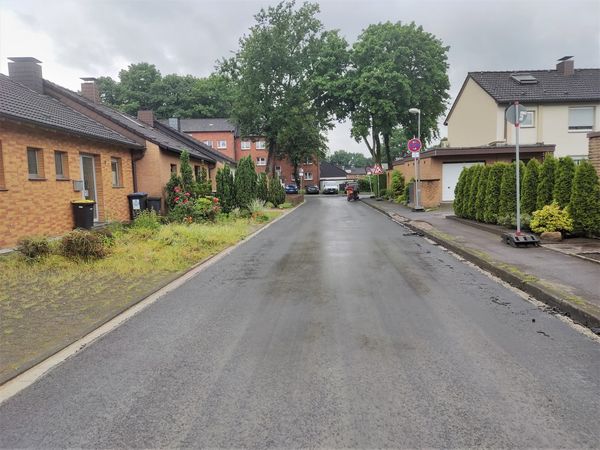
[[594, 150], [46, 148], [162, 144], [224, 137]]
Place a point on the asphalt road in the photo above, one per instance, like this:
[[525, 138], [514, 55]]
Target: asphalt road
[[330, 329]]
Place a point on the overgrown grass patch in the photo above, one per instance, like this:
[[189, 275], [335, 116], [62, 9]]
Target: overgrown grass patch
[[53, 301]]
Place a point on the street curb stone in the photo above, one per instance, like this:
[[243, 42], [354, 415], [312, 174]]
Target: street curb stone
[[585, 314]]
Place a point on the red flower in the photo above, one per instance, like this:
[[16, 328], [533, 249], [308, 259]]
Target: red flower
[[215, 200], [177, 189], [176, 199], [187, 193], [185, 201]]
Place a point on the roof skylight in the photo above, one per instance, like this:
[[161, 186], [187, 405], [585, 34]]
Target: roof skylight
[[524, 78]]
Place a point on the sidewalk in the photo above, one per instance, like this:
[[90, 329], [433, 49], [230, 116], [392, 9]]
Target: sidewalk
[[568, 283]]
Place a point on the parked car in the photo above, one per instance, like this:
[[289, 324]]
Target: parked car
[[291, 189], [330, 187], [312, 189]]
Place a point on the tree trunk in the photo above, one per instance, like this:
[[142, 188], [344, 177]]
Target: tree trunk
[[271, 159], [296, 177]]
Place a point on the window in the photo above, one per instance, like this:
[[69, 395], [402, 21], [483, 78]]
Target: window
[[60, 165], [222, 144], [260, 161], [260, 145], [174, 168], [528, 120], [115, 168], [197, 172], [581, 119], [35, 163], [308, 176], [245, 144], [278, 170], [308, 161], [209, 143]]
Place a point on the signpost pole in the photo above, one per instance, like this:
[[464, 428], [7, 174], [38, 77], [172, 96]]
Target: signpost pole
[[418, 205], [517, 127]]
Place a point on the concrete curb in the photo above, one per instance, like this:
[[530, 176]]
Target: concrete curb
[[581, 312], [29, 372]]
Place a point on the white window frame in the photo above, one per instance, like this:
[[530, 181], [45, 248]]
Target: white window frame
[[261, 145], [209, 143], [222, 144], [115, 175], [278, 170], [246, 144], [523, 123], [308, 176], [581, 129], [261, 161]]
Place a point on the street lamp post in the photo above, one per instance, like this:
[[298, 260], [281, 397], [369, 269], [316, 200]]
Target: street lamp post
[[417, 206]]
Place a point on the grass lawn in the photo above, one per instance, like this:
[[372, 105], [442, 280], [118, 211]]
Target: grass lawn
[[47, 304]]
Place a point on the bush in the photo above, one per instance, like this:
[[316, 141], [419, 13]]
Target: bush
[[492, 192], [406, 194], [530, 183], [187, 174], [461, 192], [563, 185], [34, 247], [471, 198], [585, 199], [245, 183], [276, 192], [80, 244], [545, 190], [262, 187], [551, 218], [364, 185], [383, 193], [203, 185], [226, 189], [147, 219], [205, 209], [397, 183], [508, 191], [481, 190], [256, 206], [172, 188]]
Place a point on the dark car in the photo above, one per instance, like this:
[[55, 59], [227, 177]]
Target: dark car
[[312, 189], [291, 189]]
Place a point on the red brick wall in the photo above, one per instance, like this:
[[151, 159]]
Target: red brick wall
[[43, 207], [594, 150], [215, 137]]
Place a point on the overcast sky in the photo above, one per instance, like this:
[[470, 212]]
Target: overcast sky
[[100, 37]]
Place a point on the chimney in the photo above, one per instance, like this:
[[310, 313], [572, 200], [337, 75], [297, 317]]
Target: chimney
[[89, 89], [146, 116], [566, 66], [27, 71], [175, 123]]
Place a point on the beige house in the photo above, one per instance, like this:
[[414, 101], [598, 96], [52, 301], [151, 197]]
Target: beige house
[[563, 105]]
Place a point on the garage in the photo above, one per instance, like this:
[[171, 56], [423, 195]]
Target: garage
[[450, 174]]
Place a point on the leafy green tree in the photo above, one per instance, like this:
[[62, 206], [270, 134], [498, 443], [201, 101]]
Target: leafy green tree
[[225, 189], [492, 192], [187, 174], [530, 184], [245, 183], [585, 199], [346, 159], [471, 207], [563, 185], [545, 191], [262, 188], [397, 183], [481, 193], [275, 70], [395, 67], [276, 192], [508, 195]]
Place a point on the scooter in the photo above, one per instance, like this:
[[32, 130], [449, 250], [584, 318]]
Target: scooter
[[351, 194]]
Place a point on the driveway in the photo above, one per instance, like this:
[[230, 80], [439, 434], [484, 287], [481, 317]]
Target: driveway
[[335, 327]]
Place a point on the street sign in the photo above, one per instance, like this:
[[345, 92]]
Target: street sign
[[414, 145], [515, 113], [301, 173], [377, 170], [415, 154]]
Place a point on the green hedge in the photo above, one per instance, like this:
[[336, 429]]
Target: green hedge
[[545, 190], [585, 199], [563, 185], [530, 183], [480, 199], [492, 192]]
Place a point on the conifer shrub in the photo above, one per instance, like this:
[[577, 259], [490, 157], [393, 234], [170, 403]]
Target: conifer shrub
[[471, 198], [172, 189], [187, 174], [585, 199], [530, 183], [563, 184], [492, 192], [545, 190], [262, 187], [276, 192], [481, 193], [245, 183], [459, 191], [508, 192], [226, 189]]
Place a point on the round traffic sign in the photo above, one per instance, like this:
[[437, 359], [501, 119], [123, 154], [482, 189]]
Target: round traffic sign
[[414, 145], [515, 113]]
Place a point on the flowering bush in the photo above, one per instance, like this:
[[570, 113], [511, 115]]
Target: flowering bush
[[187, 210]]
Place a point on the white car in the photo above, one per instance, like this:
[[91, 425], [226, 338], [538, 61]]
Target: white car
[[330, 187]]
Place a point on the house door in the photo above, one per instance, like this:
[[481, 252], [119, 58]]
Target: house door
[[88, 175], [450, 174]]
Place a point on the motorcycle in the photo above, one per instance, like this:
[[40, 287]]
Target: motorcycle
[[351, 193]]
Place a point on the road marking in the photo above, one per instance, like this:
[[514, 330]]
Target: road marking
[[30, 376]]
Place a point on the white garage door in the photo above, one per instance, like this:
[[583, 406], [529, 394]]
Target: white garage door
[[450, 174]]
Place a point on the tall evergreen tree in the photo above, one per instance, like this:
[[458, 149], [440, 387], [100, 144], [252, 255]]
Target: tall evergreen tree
[[245, 183], [585, 199], [492, 192], [472, 193], [481, 193], [530, 184], [545, 191], [276, 192], [225, 189], [262, 188], [563, 185], [459, 191], [508, 193], [187, 174]]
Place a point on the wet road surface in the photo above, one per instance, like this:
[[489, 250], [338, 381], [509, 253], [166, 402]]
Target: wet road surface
[[332, 328]]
